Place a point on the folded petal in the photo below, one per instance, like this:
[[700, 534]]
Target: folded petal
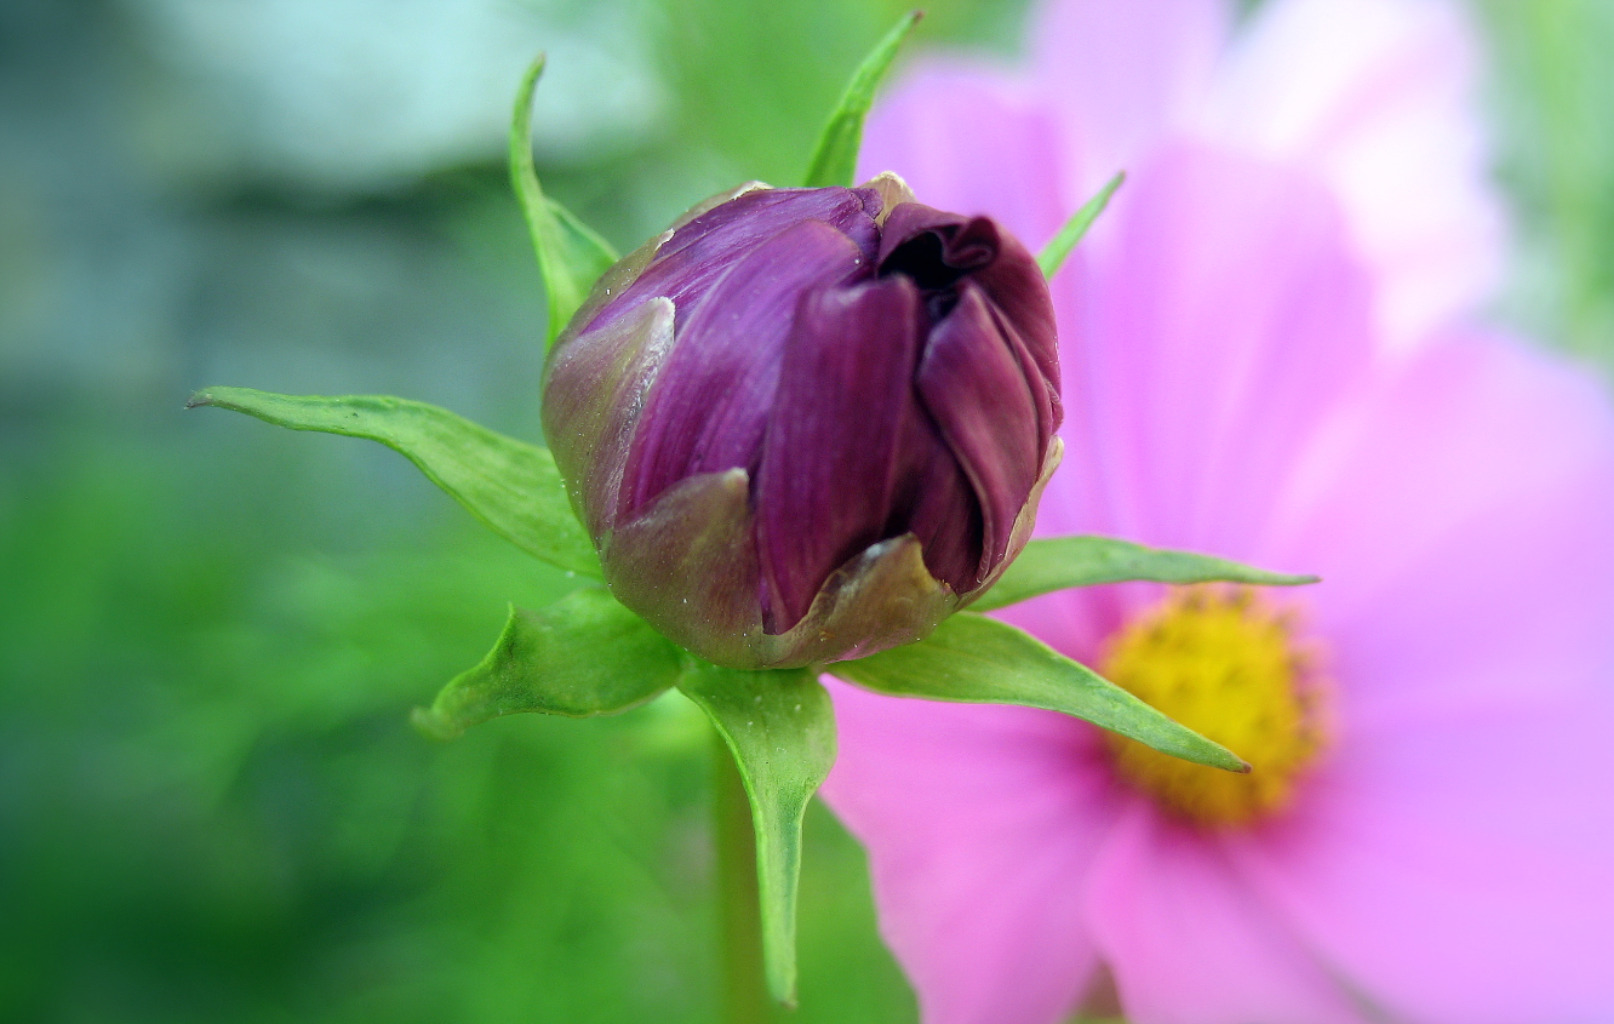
[[589, 409], [824, 489], [980, 822], [709, 405], [932, 499], [973, 386], [703, 248]]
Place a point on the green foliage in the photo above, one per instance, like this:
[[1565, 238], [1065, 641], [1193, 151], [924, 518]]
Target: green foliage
[[511, 486], [780, 727], [834, 159], [1075, 229], [571, 256], [1058, 563], [582, 656], [1557, 154], [972, 659], [215, 808]]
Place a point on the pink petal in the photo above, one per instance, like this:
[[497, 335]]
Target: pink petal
[[1378, 97], [972, 140], [980, 823], [1186, 942], [1460, 516], [1461, 869], [1123, 73], [1217, 324]]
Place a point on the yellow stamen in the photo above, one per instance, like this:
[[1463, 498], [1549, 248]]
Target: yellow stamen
[[1224, 662]]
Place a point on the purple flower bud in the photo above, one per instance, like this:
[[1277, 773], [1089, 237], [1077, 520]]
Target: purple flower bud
[[804, 425]]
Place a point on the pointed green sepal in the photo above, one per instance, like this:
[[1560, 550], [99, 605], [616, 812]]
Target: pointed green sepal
[[834, 160], [780, 727], [582, 656], [1053, 254], [511, 486], [972, 659], [571, 257], [1059, 563]]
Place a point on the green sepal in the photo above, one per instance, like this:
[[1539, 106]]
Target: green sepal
[[834, 160], [582, 656], [1058, 563], [780, 727], [510, 485], [1053, 254], [571, 257], [972, 659]]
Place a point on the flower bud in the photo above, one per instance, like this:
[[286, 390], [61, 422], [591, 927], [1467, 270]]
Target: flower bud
[[804, 425]]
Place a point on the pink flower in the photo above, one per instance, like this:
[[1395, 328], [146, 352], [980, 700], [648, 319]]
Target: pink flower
[[1441, 846], [1371, 97]]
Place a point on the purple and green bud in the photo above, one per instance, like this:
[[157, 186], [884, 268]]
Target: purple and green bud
[[804, 425]]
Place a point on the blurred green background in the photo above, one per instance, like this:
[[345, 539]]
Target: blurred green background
[[211, 804]]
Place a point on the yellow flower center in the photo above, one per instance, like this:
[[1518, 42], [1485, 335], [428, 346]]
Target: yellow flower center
[[1226, 663]]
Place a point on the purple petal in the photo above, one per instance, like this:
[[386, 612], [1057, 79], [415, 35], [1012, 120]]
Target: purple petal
[[1014, 284], [933, 247], [937, 248], [704, 248], [972, 384], [593, 389], [823, 490], [709, 406], [933, 500], [1044, 389]]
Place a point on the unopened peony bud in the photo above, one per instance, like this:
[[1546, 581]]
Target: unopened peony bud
[[804, 425]]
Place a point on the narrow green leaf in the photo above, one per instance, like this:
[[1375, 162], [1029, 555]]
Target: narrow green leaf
[[582, 656], [781, 729], [1061, 562], [1053, 254], [571, 257], [511, 486], [834, 159], [972, 659]]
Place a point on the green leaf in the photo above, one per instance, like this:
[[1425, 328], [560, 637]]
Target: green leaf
[[972, 659], [1053, 254], [582, 656], [571, 257], [1059, 563], [834, 160], [511, 486], [780, 727]]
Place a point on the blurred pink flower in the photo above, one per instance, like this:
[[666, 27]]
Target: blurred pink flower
[[1448, 853], [1371, 97]]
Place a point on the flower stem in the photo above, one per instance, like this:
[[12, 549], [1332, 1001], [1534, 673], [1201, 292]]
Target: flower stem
[[745, 988]]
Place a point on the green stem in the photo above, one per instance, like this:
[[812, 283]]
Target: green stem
[[745, 986]]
